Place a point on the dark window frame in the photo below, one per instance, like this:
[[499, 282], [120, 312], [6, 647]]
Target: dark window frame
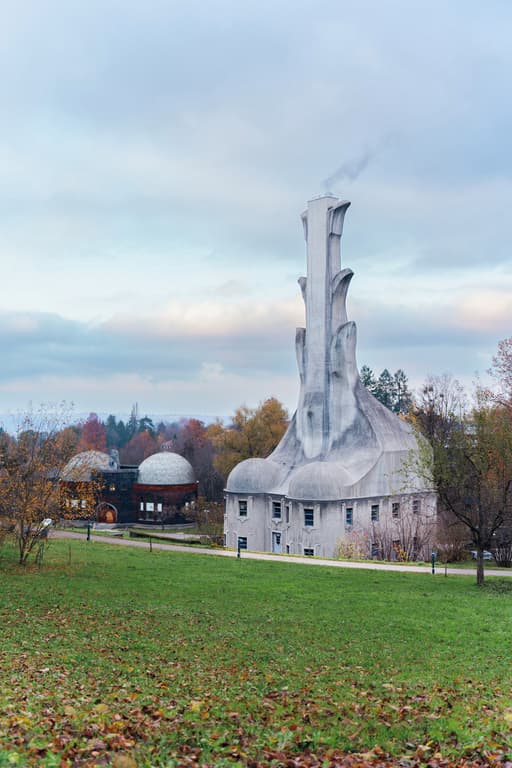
[[276, 508]]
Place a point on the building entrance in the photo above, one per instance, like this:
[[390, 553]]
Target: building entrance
[[106, 513]]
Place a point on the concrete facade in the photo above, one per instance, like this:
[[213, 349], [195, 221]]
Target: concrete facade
[[343, 453]]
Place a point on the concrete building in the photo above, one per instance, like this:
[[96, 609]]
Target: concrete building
[[338, 471]]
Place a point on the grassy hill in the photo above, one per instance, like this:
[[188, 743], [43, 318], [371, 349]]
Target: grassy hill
[[128, 658]]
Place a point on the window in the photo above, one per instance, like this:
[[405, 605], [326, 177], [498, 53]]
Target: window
[[375, 550], [242, 542], [309, 517], [395, 509], [141, 505], [159, 506], [242, 508], [396, 545], [276, 510], [112, 487], [83, 504], [74, 503], [416, 506], [150, 506], [375, 513], [309, 551], [287, 513], [349, 516]]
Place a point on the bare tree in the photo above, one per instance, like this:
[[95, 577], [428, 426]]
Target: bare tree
[[468, 460], [451, 538], [501, 369], [406, 537], [30, 466]]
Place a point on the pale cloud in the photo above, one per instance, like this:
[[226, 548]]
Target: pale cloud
[[152, 182], [212, 319], [489, 310]]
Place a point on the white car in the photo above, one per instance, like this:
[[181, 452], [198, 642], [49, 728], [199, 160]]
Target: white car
[[487, 555]]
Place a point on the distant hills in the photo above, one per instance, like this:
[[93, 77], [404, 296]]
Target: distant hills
[[10, 420]]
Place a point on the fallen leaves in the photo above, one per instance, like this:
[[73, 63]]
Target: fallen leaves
[[108, 670]]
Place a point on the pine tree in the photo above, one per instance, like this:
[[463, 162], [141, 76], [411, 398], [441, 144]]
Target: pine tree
[[368, 378]]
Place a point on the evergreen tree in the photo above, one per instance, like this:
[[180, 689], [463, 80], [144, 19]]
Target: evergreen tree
[[368, 378], [145, 424], [402, 398], [391, 391], [133, 422], [384, 391]]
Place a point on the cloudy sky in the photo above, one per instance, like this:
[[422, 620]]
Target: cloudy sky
[[155, 157]]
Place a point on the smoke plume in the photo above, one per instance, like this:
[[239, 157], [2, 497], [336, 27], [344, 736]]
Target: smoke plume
[[353, 168]]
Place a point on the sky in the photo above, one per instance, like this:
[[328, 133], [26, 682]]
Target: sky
[[155, 159]]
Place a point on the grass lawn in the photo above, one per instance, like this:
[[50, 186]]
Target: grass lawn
[[130, 658]]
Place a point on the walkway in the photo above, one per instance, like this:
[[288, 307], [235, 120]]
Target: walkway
[[440, 569]]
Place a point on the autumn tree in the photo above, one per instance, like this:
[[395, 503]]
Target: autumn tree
[[208, 517], [468, 460], [93, 437], [6, 522], [141, 445], [252, 433], [192, 441], [31, 463]]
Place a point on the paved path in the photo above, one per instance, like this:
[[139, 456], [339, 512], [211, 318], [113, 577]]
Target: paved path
[[440, 570]]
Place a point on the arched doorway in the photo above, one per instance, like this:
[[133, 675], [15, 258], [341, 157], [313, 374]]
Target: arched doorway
[[106, 513]]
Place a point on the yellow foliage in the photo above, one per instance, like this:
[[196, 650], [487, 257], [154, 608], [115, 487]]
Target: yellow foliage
[[253, 433]]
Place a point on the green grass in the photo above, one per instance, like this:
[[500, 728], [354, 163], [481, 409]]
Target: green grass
[[165, 656]]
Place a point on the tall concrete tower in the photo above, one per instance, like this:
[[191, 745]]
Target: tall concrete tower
[[343, 449]]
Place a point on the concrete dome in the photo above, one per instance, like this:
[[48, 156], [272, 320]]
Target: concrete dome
[[319, 481], [165, 468], [79, 468], [254, 476]]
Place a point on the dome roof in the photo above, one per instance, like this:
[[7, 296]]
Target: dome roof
[[255, 476], [79, 468], [165, 468], [319, 481]]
